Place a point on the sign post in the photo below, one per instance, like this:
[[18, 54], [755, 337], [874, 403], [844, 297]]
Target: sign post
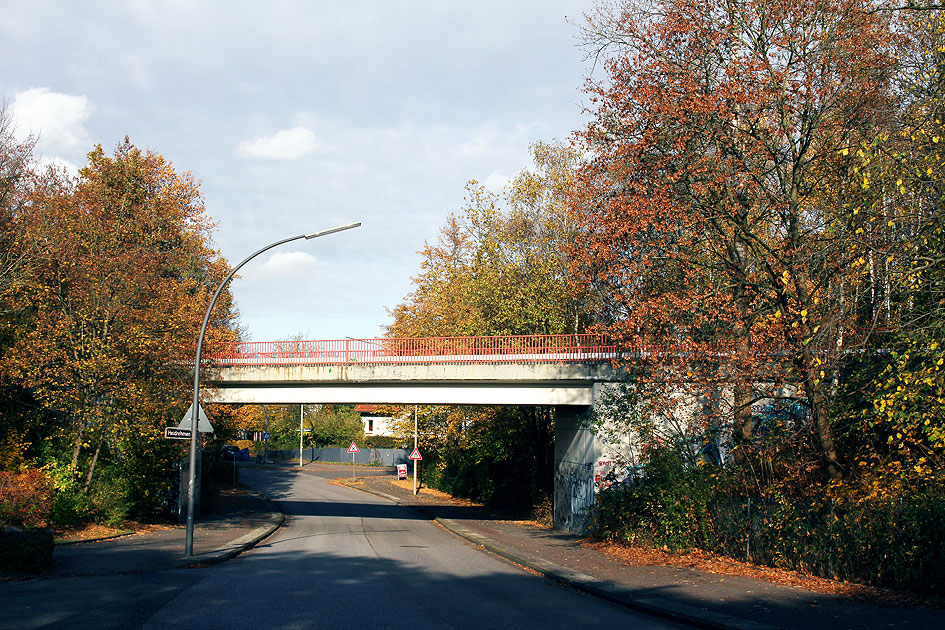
[[415, 456], [415, 451], [353, 449]]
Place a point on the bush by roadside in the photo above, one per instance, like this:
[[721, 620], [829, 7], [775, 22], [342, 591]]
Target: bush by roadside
[[25, 551], [828, 532]]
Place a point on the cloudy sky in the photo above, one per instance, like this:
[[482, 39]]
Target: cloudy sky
[[301, 115]]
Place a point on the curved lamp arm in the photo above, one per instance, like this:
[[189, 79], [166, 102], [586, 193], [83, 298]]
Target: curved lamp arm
[[189, 541]]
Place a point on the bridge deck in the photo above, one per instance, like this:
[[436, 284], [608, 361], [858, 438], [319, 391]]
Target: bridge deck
[[548, 370]]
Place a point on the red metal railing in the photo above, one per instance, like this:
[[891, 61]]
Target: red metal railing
[[452, 350], [585, 348]]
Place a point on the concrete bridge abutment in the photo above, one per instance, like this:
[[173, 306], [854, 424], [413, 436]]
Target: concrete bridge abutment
[[576, 452], [570, 388]]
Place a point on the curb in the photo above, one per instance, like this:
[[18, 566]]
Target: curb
[[234, 547], [603, 589], [377, 493], [609, 591], [66, 543]]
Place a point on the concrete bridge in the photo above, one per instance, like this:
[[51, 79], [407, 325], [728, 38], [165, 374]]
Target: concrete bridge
[[562, 371]]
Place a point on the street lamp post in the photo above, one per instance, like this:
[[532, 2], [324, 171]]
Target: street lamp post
[[189, 540]]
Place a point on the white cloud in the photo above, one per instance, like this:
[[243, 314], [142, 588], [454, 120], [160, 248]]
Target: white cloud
[[59, 164], [58, 119], [497, 181], [482, 143], [287, 266], [288, 144]]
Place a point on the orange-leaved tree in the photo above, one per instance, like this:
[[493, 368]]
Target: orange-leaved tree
[[114, 305], [706, 217]]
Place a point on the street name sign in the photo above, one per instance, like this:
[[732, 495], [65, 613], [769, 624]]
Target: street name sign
[[173, 433]]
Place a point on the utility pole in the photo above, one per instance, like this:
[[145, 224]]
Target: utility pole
[[415, 448]]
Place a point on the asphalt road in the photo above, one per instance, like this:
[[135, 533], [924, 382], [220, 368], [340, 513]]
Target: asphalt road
[[342, 559]]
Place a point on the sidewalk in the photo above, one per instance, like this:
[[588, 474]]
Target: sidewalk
[[689, 595], [240, 519]]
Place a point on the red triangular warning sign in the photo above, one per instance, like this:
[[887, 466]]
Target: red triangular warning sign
[[354, 448], [415, 454]]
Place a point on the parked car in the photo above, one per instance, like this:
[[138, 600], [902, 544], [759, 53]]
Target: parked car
[[230, 452]]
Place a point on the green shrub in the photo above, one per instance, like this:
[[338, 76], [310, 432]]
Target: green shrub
[[112, 499], [382, 441], [133, 482], [71, 505]]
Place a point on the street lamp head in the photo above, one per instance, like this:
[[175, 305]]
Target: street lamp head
[[340, 228]]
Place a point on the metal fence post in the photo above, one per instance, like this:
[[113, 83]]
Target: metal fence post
[[830, 563], [748, 537]]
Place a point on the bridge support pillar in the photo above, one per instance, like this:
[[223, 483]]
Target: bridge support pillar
[[576, 452]]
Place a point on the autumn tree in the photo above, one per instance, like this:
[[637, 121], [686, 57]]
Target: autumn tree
[[334, 425], [17, 179], [708, 215], [897, 431], [114, 305], [499, 267], [282, 422]]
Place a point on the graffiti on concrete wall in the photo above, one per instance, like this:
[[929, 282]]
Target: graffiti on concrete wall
[[574, 495]]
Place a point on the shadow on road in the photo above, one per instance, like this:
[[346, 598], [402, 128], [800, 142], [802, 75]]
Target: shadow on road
[[309, 590]]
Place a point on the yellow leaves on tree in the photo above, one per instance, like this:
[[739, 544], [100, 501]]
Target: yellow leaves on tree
[[114, 304], [501, 271]]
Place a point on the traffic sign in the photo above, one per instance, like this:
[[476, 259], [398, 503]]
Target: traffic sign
[[354, 448], [266, 435], [173, 433], [415, 455], [203, 422]]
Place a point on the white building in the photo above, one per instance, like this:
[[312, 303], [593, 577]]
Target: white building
[[374, 424]]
